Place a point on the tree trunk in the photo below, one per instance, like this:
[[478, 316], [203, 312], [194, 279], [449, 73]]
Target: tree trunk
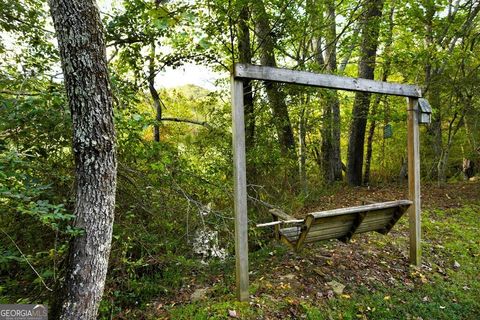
[[331, 113], [366, 68], [245, 56], [442, 166], [386, 71], [82, 50], [371, 133], [281, 119], [302, 157], [157, 105]]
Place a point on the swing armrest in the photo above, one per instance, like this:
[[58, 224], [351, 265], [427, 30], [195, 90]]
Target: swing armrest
[[277, 215], [280, 215]]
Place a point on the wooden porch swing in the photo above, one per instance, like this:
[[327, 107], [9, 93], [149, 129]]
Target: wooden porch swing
[[341, 223]]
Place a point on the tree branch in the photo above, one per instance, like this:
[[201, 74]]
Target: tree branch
[[197, 122]]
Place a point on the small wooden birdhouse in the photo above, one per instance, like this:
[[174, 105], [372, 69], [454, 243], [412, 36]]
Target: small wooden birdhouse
[[425, 115]]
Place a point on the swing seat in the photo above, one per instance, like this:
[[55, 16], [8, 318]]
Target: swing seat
[[341, 223]]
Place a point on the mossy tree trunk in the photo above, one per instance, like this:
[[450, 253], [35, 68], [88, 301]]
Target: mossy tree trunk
[[82, 50]]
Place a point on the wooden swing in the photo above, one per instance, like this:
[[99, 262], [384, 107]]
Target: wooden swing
[[333, 224], [339, 224]]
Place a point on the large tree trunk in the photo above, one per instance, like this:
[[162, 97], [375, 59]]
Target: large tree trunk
[[332, 164], [82, 50], [266, 44], [366, 68], [385, 73]]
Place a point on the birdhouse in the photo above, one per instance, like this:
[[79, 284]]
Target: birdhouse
[[425, 115], [387, 131]]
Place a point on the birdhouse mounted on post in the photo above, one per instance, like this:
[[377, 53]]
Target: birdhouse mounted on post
[[425, 116]]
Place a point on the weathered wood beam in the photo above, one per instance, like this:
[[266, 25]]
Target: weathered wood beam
[[248, 71], [362, 208], [414, 212], [305, 229], [240, 190], [395, 217]]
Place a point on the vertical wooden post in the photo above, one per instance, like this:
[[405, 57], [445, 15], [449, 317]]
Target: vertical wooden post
[[240, 190], [414, 212]]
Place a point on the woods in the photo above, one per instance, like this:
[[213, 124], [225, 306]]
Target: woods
[[87, 95]]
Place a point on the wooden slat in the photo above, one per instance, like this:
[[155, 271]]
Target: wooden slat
[[248, 71], [363, 208], [328, 236], [291, 232], [334, 229], [373, 226], [356, 223], [240, 191], [413, 147]]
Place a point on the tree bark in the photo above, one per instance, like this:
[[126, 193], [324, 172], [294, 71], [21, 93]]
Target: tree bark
[[366, 68], [332, 165], [302, 157], [81, 44], [371, 133], [281, 119], [385, 73], [245, 56], [157, 105]]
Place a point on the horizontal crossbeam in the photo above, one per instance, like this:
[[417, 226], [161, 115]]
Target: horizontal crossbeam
[[249, 71]]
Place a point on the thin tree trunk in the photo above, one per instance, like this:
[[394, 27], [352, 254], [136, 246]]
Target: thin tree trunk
[[157, 105], [266, 44], [302, 157], [82, 50], [331, 138], [371, 133], [366, 68]]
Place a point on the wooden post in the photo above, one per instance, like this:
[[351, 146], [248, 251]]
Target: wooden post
[[240, 190], [414, 212]]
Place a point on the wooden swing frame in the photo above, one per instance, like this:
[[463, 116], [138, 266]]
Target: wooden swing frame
[[243, 72]]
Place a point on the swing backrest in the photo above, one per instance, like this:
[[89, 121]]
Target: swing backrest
[[343, 223]]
